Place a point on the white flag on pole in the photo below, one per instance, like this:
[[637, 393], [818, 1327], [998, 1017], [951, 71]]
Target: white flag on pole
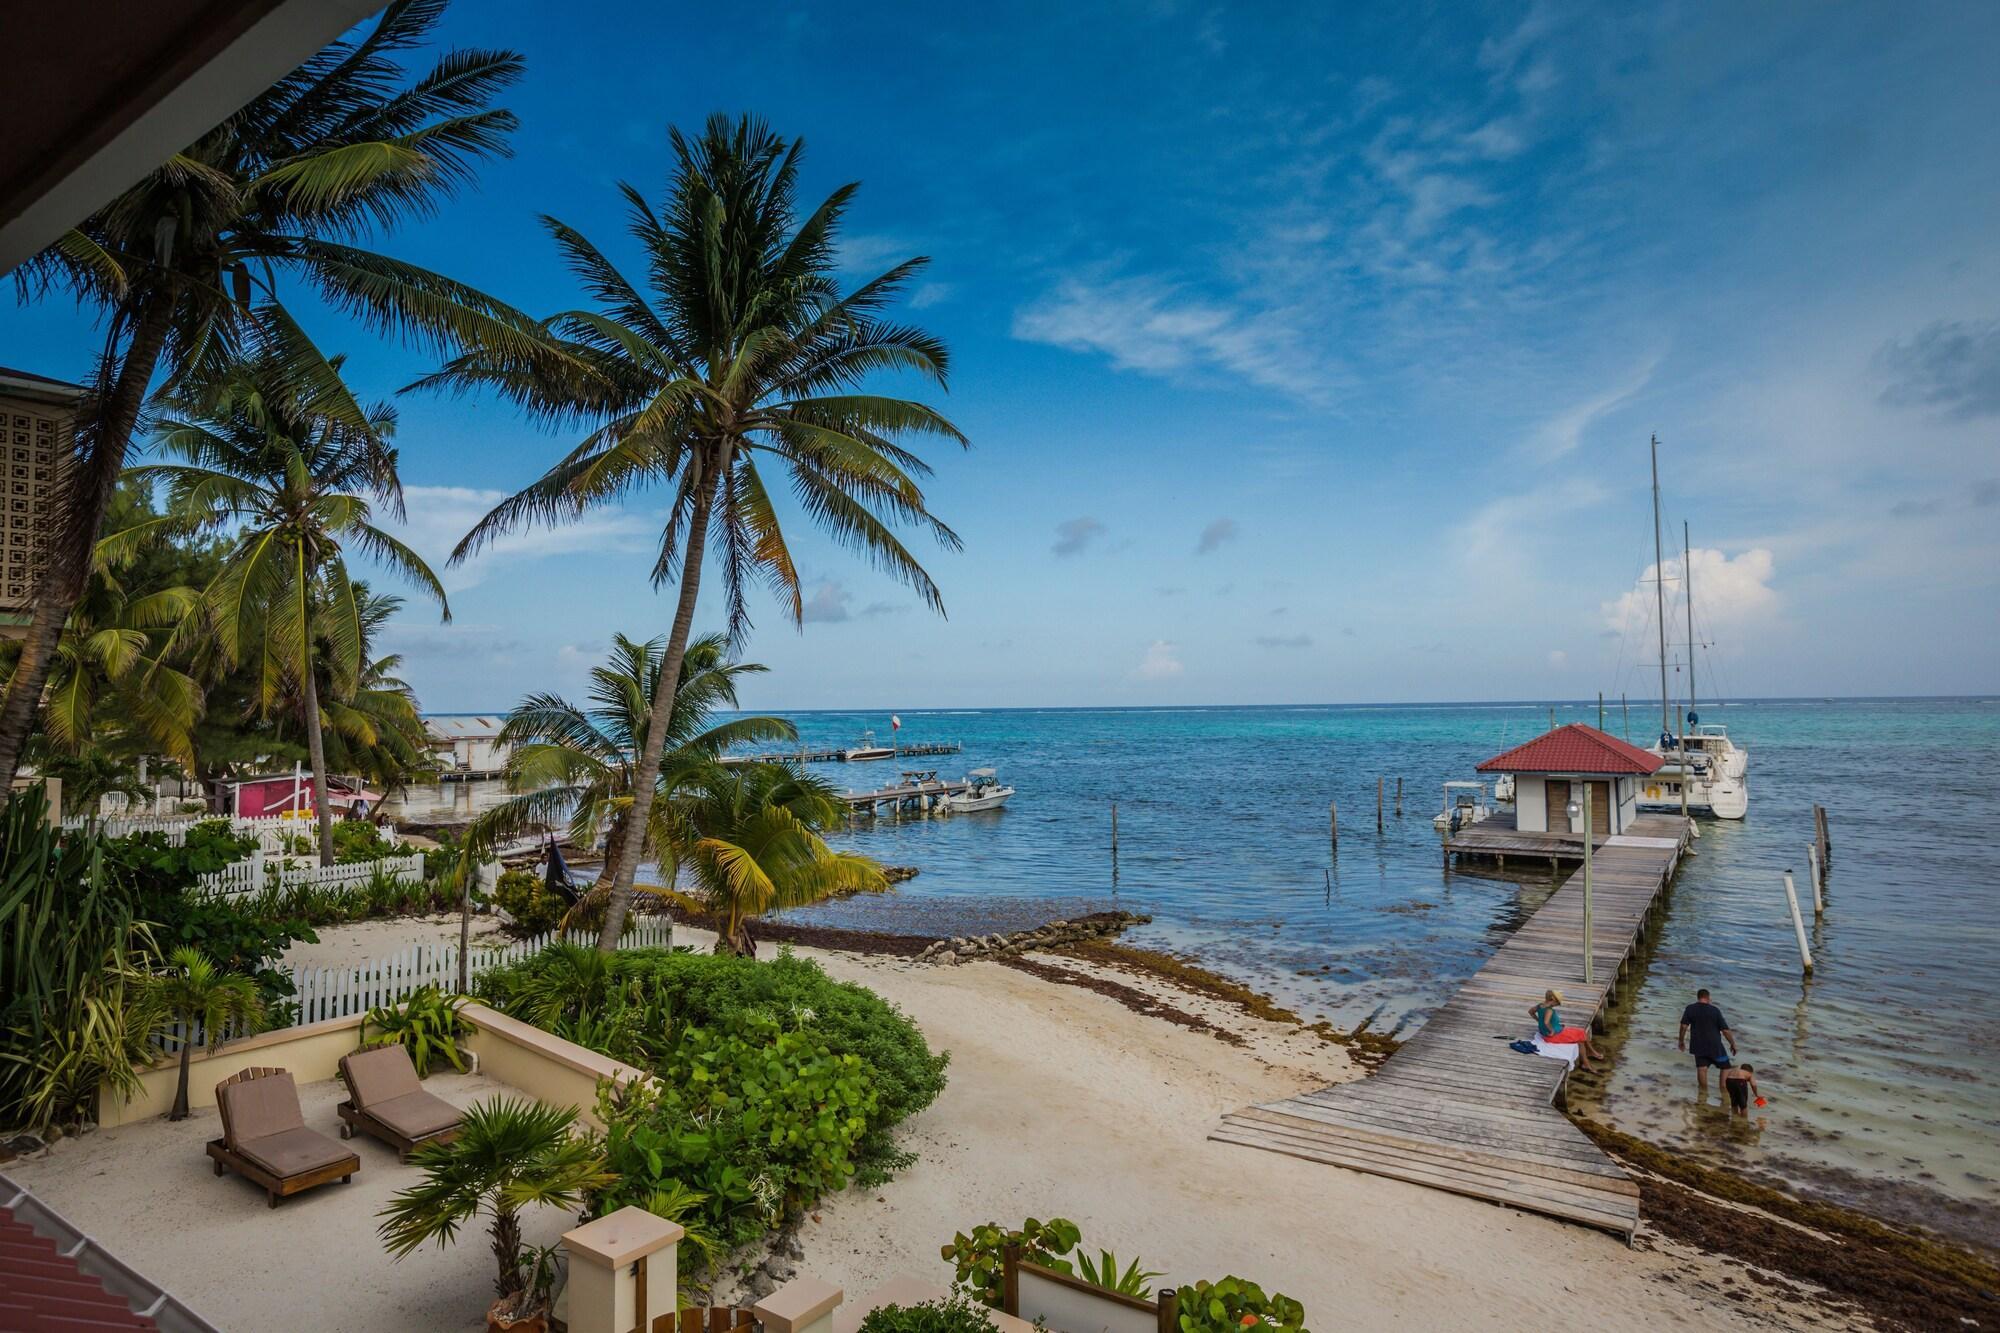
[[895, 723]]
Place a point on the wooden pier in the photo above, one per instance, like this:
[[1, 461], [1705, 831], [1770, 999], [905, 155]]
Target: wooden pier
[[802, 755], [916, 793], [1455, 1108]]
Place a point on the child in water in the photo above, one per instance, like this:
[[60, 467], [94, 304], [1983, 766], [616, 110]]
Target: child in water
[[1740, 1083]]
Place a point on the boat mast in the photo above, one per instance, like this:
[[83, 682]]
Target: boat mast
[[1687, 587], [1660, 591]]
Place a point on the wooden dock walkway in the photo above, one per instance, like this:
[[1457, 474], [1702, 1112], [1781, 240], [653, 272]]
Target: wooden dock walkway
[[913, 750], [1455, 1108]]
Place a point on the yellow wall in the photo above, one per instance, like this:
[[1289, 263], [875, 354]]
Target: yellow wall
[[541, 1064]]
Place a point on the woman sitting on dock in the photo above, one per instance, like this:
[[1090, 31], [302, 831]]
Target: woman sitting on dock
[[1548, 1023]]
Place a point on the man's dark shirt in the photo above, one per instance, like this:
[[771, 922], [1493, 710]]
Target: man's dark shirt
[[1705, 1025]]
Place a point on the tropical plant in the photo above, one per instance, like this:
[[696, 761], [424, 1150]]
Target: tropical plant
[[279, 453], [374, 728], [747, 355], [954, 1314], [977, 1260], [1234, 1304], [1104, 1272], [426, 1023], [192, 992], [575, 764], [344, 146], [748, 838], [523, 896], [88, 774], [510, 1154], [543, 1271]]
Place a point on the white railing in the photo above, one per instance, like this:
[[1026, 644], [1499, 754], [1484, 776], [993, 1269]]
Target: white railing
[[274, 833], [254, 874], [339, 992], [120, 826]]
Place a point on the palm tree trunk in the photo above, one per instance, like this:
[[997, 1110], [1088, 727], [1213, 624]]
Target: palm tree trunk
[[180, 1111], [629, 848], [67, 562], [316, 749], [507, 1251]]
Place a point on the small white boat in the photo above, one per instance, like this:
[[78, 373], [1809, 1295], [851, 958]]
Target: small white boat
[[867, 748], [982, 792], [1464, 804]]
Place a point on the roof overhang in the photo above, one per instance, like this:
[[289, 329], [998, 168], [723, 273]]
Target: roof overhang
[[97, 93]]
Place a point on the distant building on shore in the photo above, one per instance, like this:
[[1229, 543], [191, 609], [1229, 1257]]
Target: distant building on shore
[[1552, 770], [467, 744], [292, 794]]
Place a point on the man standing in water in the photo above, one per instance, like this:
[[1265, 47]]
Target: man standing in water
[[1705, 1023]]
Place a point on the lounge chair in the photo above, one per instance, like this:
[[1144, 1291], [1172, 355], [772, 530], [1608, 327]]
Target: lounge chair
[[387, 1101], [265, 1139]]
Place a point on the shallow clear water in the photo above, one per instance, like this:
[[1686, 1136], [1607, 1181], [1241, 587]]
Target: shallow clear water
[[1884, 1087]]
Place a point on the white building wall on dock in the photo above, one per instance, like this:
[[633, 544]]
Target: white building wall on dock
[[1531, 809], [1628, 804]]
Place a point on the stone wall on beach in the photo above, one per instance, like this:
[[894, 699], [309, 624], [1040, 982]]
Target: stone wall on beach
[[1054, 935]]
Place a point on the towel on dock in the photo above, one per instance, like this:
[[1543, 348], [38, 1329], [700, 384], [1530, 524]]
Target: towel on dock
[[1565, 1051]]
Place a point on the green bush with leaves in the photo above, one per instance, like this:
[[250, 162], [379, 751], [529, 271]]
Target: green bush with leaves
[[426, 1023], [757, 1117], [1234, 1304], [955, 1314], [523, 895], [976, 1259]]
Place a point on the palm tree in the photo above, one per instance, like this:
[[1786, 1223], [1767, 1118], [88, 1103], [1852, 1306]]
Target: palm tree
[[748, 354], [193, 992], [508, 1154], [345, 146], [749, 838], [281, 455], [577, 763], [376, 730]]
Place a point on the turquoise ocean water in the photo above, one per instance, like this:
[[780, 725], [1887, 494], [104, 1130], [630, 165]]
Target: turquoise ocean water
[[1882, 1072]]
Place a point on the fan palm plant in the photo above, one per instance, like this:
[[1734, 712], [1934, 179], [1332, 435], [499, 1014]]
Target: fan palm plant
[[748, 838], [346, 146], [508, 1156], [193, 992], [746, 357], [280, 454], [576, 764]]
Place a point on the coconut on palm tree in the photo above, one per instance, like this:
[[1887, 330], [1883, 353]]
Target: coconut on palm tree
[[291, 186], [574, 764], [193, 992], [280, 454], [509, 1155], [748, 840], [743, 369]]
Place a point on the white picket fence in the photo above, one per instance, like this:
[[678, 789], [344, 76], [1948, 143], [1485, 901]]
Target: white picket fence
[[274, 833], [338, 992], [253, 874]]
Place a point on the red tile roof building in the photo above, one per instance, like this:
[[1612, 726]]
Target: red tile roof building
[[1575, 748]]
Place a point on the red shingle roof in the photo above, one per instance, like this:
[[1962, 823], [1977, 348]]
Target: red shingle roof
[[1574, 748]]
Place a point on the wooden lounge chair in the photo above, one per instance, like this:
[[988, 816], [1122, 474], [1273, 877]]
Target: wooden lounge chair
[[265, 1139], [386, 1100]]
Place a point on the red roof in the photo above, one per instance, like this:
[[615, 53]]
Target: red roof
[[1574, 748], [41, 1287]]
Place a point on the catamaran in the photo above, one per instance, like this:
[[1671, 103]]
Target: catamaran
[[1702, 770]]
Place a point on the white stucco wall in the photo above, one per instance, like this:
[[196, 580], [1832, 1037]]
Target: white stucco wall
[[1531, 810]]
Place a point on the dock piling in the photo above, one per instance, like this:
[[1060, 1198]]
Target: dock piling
[[1399, 798], [1825, 842], [1798, 924], [1818, 879], [1333, 827], [1378, 805], [1114, 840]]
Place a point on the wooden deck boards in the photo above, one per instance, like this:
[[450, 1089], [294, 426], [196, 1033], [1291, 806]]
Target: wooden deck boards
[[1455, 1108]]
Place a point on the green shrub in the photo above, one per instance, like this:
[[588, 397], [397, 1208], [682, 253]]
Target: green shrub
[[708, 990], [521, 894], [976, 1259], [357, 840], [756, 1118], [955, 1314], [426, 1024], [1233, 1304]]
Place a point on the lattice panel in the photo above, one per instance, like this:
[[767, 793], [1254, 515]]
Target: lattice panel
[[37, 440]]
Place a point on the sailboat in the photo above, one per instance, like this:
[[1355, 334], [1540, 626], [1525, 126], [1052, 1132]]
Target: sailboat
[[1703, 771]]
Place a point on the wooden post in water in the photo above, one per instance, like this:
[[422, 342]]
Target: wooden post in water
[[1114, 837], [1819, 890], [1798, 923], [1399, 798], [1378, 805], [1333, 827], [1825, 842], [1600, 710], [1552, 719]]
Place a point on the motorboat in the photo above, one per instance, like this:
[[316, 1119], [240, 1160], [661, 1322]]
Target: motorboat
[[867, 748], [982, 792], [1464, 805]]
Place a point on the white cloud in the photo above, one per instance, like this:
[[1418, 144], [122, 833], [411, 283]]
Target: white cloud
[[1284, 641], [828, 604], [1726, 591], [1153, 328], [440, 516], [1215, 534], [1493, 536], [928, 294], [1563, 432], [1161, 662], [1558, 658]]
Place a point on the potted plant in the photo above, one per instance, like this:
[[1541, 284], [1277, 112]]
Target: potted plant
[[528, 1310]]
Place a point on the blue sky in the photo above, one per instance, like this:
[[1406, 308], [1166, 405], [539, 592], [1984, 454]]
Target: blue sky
[[1309, 353]]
